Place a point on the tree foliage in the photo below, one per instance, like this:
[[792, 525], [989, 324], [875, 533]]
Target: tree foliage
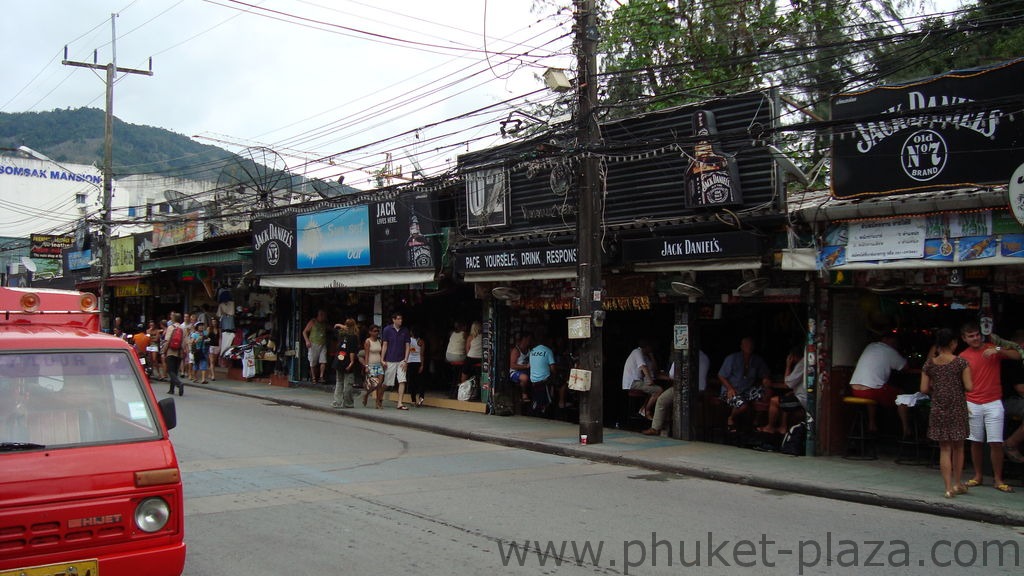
[[659, 53], [76, 136]]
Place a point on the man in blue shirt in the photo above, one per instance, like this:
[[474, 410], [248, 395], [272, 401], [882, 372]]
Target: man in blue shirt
[[542, 368], [744, 376], [394, 355]]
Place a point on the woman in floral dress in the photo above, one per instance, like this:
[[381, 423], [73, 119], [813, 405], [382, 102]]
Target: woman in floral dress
[[946, 377]]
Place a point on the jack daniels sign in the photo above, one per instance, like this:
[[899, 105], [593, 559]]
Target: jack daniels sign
[[949, 131], [723, 245], [390, 234]]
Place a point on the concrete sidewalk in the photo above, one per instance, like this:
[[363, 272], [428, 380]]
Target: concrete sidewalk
[[880, 482]]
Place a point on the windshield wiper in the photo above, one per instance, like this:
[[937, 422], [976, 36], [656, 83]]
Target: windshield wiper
[[17, 446]]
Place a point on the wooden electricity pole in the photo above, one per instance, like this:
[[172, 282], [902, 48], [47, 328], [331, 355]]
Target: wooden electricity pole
[[588, 224], [108, 158]]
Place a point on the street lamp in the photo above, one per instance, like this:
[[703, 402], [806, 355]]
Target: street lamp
[[106, 193]]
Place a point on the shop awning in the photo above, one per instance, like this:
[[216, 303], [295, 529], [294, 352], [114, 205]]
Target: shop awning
[[806, 260], [362, 279], [125, 280], [521, 275], [820, 206], [203, 259]]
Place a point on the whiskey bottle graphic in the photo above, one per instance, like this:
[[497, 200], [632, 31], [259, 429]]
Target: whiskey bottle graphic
[[712, 178], [417, 246]]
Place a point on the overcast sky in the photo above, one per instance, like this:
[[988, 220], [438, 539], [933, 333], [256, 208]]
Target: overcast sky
[[308, 78]]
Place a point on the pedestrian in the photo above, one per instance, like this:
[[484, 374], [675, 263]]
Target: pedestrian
[[213, 358], [985, 403], [155, 359], [173, 346], [416, 371], [455, 353], [346, 364], [315, 335], [201, 351], [187, 357], [395, 356], [946, 377], [474, 352], [373, 368]]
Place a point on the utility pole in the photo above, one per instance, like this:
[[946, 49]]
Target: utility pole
[[108, 158], [588, 224]]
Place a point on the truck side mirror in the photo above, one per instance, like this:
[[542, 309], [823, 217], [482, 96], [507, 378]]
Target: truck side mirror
[[168, 411]]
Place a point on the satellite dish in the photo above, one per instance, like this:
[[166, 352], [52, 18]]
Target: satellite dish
[[752, 287], [257, 177], [788, 166], [28, 264], [176, 200], [686, 289], [505, 293]]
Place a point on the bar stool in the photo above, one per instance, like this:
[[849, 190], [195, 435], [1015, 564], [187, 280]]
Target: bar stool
[[915, 450], [635, 400], [860, 445]]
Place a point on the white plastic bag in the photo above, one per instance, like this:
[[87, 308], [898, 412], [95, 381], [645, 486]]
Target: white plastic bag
[[467, 389]]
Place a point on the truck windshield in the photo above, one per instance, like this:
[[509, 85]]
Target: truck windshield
[[67, 398]]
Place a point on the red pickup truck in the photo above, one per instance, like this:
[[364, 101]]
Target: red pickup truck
[[89, 481]]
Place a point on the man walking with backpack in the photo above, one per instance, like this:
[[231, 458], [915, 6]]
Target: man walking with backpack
[[173, 339]]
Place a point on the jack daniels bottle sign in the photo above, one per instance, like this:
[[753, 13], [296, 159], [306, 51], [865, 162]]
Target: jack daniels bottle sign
[[712, 179]]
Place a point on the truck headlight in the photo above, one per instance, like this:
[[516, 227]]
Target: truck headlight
[[152, 514]]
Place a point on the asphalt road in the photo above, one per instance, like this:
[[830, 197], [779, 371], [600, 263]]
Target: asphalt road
[[281, 490]]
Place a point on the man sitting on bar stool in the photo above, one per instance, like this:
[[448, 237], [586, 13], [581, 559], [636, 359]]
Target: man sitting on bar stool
[[871, 379], [781, 407], [638, 374], [744, 377]]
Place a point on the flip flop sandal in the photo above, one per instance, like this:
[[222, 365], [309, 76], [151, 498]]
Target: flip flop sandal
[[972, 483], [402, 407], [1004, 487]]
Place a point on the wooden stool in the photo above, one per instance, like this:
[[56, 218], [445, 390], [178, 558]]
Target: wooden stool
[[859, 444]]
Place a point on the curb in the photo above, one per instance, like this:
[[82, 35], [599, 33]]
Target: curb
[[942, 508]]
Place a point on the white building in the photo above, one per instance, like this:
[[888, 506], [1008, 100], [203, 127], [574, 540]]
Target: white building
[[46, 197]]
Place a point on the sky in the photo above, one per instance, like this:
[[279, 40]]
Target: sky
[[309, 79]]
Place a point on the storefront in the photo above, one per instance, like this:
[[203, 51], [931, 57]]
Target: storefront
[[919, 230], [361, 257], [665, 215], [523, 290]]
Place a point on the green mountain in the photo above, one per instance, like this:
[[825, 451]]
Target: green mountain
[[76, 136]]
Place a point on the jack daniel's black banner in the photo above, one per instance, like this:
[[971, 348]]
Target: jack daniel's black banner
[[273, 245], [950, 131]]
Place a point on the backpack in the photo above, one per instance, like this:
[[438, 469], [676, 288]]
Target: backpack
[[794, 441], [175, 341]]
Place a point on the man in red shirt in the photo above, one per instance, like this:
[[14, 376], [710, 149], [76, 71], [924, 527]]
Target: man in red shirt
[[985, 402]]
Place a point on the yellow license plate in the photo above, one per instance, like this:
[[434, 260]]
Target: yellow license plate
[[80, 568]]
